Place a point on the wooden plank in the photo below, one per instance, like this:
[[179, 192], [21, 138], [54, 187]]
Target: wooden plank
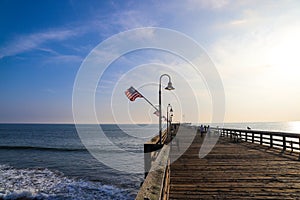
[[234, 171]]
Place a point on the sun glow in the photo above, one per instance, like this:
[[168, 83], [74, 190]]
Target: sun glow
[[283, 56], [294, 126]]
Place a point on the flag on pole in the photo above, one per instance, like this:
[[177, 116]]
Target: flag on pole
[[132, 94], [157, 114]]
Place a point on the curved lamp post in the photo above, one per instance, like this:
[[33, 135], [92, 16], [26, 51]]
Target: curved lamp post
[[169, 87]]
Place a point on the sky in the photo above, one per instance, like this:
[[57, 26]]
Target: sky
[[254, 46]]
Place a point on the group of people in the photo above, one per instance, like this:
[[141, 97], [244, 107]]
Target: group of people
[[203, 129]]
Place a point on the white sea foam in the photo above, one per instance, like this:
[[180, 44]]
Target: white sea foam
[[47, 184]]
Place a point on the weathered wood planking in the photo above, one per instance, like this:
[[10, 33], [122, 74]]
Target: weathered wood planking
[[234, 171]]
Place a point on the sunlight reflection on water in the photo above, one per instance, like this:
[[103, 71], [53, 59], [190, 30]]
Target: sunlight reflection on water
[[294, 126]]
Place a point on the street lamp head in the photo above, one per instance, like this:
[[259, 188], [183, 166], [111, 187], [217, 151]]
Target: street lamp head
[[171, 110], [170, 86]]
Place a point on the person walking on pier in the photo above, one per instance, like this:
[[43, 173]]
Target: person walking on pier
[[208, 130], [201, 130]]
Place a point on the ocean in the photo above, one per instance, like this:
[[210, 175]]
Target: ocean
[[49, 161]]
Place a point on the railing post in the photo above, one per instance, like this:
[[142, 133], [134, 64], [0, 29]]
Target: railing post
[[261, 139], [299, 147], [283, 143], [268, 138]]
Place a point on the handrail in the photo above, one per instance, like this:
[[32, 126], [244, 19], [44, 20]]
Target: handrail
[[165, 185], [154, 184], [151, 147], [155, 140], [151, 151], [280, 140], [277, 133]]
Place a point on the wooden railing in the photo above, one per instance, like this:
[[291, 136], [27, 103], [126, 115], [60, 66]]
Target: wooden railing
[[165, 185], [281, 140], [151, 147], [151, 151], [157, 167]]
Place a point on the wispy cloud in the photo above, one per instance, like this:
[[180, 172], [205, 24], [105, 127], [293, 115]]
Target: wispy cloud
[[58, 58], [238, 22], [48, 90], [120, 21], [33, 41], [204, 4], [133, 19], [62, 59]]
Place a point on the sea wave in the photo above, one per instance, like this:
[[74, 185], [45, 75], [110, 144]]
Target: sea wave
[[43, 148], [100, 149], [39, 184]]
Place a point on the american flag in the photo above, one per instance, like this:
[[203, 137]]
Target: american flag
[[132, 94]]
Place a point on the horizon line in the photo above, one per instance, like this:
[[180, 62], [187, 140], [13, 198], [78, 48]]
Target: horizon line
[[111, 123]]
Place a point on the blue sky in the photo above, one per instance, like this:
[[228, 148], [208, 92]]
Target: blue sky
[[252, 43]]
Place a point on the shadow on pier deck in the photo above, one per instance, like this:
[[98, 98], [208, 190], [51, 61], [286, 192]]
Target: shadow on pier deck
[[234, 170]]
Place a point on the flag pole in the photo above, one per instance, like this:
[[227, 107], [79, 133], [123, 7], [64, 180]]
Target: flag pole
[[150, 103]]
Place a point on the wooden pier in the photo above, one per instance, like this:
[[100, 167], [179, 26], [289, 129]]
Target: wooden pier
[[244, 164]]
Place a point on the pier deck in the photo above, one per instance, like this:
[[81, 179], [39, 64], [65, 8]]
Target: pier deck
[[234, 171]]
